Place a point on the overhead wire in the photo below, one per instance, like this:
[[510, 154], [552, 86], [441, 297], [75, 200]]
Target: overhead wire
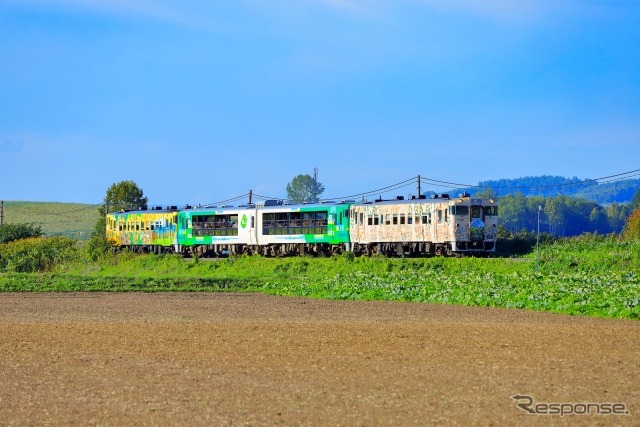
[[402, 184], [382, 190], [233, 199], [461, 186], [454, 185]]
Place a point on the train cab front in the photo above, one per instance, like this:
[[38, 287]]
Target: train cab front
[[475, 225]]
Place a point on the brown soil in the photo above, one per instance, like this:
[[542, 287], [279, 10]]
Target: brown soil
[[246, 359]]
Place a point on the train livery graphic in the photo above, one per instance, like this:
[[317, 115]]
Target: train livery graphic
[[419, 226]]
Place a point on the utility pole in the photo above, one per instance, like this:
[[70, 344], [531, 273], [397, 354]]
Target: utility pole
[[1, 212], [250, 196], [419, 192], [315, 183], [538, 239]]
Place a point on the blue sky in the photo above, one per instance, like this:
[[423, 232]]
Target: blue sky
[[203, 100]]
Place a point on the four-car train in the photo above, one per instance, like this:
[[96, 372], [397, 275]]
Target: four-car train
[[420, 226]]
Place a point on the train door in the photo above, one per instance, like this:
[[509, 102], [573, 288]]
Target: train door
[[252, 226], [477, 222]]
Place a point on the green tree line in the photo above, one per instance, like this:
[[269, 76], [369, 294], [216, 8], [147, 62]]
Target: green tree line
[[551, 186], [562, 215]]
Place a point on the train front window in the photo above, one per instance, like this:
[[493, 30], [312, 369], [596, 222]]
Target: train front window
[[460, 210], [476, 212], [491, 210]]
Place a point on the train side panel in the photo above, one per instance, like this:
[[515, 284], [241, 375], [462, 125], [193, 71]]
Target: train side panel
[[435, 226], [143, 229], [213, 231], [287, 229]]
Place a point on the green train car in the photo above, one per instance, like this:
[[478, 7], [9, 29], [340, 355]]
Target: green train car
[[274, 229]]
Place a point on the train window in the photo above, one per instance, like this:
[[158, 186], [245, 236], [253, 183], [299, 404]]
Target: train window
[[402, 219], [491, 210], [369, 220], [418, 219], [253, 221], [395, 219], [361, 218], [439, 216], [376, 220], [410, 219], [460, 210], [446, 216], [387, 219], [476, 212], [214, 225], [268, 223], [321, 219], [295, 220], [284, 223]]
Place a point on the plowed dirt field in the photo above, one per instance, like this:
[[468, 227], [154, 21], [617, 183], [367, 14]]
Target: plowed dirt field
[[247, 359]]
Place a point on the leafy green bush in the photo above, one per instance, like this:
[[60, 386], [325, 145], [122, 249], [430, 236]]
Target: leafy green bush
[[11, 232], [522, 243], [632, 229], [98, 247], [37, 254]]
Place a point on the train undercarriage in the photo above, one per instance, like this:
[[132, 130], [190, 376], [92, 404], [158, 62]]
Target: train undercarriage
[[389, 249]]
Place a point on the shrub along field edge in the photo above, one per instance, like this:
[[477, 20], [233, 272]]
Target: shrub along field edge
[[587, 276]]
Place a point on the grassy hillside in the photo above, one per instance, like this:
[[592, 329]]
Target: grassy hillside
[[73, 220]]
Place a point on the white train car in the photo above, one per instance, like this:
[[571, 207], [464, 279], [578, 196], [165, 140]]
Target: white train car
[[438, 226]]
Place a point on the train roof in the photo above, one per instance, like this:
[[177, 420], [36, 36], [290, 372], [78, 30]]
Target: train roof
[[414, 200], [280, 205], [152, 210]]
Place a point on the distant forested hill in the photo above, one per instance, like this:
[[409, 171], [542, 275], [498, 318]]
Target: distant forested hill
[[551, 186]]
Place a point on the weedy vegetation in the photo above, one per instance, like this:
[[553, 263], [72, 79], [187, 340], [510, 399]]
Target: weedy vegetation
[[589, 275]]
